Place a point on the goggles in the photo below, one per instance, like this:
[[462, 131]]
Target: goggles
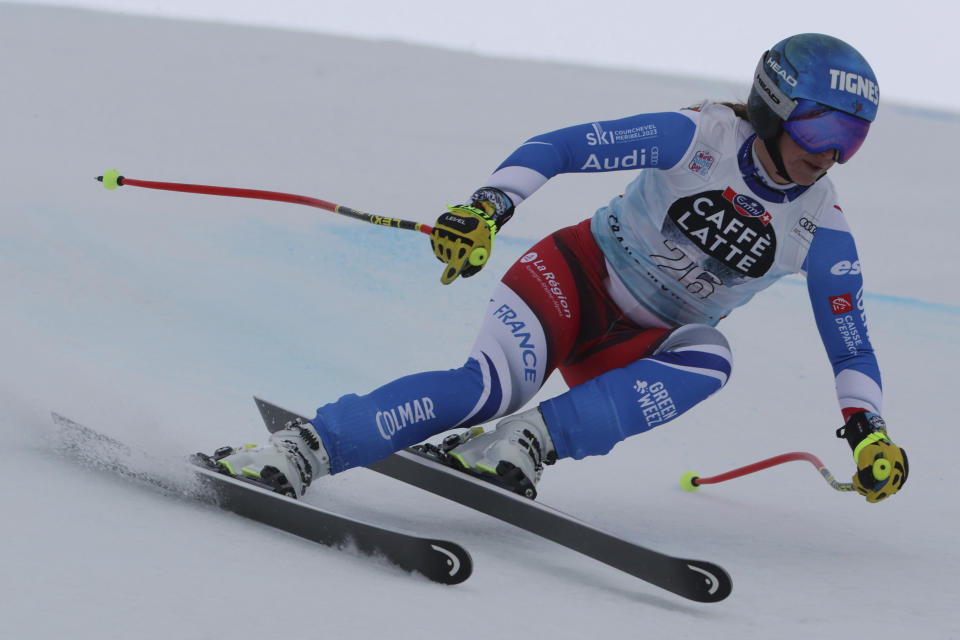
[[817, 128]]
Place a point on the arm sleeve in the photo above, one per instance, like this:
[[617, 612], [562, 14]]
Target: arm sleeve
[[835, 285], [657, 140]]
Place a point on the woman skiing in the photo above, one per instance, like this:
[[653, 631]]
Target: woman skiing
[[729, 199]]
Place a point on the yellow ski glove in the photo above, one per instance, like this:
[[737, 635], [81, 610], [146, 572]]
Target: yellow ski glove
[[463, 236], [881, 465]]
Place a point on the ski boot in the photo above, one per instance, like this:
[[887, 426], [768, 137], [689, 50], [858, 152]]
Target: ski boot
[[513, 454], [293, 457]]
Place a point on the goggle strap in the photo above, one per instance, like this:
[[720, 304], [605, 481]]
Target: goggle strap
[[779, 102]]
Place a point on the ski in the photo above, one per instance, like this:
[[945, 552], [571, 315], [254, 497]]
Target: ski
[[424, 468], [439, 560]]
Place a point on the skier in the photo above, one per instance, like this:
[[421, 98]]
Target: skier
[[729, 199]]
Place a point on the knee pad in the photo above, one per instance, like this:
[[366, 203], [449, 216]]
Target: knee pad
[[699, 347]]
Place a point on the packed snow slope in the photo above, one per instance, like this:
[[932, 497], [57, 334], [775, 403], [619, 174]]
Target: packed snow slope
[[155, 317]]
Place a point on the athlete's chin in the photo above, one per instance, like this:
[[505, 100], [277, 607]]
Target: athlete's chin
[[806, 176]]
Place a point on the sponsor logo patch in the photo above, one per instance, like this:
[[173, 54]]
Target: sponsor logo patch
[[854, 83], [852, 332], [733, 231], [747, 206], [655, 402], [841, 304], [599, 135], [403, 415], [781, 72], [633, 160], [550, 282], [846, 268], [704, 158], [804, 231], [525, 342]]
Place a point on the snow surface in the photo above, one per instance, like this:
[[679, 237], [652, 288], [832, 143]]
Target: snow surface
[[155, 317]]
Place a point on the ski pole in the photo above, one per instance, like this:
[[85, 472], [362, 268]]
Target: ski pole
[[112, 179], [691, 481]]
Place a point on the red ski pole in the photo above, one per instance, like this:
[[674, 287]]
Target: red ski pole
[[111, 180], [691, 481]]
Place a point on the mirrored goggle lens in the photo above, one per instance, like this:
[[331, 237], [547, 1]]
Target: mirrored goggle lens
[[817, 128]]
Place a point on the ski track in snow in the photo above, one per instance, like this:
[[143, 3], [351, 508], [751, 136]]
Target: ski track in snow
[[155, 317]]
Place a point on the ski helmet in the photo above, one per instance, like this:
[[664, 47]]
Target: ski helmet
[[818, 89]]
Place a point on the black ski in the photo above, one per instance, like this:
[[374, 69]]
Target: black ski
[[439, 560], [423, 468]]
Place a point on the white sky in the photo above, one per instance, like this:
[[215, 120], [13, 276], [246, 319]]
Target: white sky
[[907, 45]]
